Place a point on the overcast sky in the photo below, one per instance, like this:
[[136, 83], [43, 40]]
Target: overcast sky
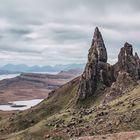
[[49, 32]]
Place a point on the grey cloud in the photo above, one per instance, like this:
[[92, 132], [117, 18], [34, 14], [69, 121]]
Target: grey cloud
[[19, 31], [18, 49], [68, 34], [61, 31]]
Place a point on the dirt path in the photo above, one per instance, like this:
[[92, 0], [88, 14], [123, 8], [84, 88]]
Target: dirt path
[[118, 136]]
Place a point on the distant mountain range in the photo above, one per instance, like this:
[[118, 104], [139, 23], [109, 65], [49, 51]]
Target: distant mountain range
[[12, 69], [5, 72]]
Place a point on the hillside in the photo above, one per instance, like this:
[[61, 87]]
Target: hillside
[[104, 100], [55, 118], [118, 136], [33, 86]]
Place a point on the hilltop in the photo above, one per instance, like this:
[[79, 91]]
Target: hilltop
[[104, 100]]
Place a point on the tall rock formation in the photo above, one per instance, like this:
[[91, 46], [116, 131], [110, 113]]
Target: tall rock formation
[[128, 62], [97, 73], [126, 73]]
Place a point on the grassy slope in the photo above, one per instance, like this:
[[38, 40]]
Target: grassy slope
[[22, 120], [54, 118]]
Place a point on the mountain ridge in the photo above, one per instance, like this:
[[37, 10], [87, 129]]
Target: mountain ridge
[[25, 68]]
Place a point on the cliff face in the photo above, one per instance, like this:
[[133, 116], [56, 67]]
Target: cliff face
[[98, 74]]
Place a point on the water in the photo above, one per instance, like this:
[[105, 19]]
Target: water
[[48, 72], [8, 76], [28, 103]]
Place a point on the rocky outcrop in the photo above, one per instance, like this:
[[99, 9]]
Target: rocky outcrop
[[128, 62], [126, 73], [123, 84], [97, 73]]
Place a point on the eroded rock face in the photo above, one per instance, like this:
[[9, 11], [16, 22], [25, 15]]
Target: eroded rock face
[[126, 73], [123, 84], [99, 46], [128, 62], [97, 73]]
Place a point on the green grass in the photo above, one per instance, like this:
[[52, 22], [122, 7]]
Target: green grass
[[57, 106], [26, 119]]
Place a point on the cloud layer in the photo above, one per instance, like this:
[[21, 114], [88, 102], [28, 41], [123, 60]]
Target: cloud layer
[[53, 32]]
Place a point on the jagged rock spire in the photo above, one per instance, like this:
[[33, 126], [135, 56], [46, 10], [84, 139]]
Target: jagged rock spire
[[136, 56], [98, 74], [95, 72], [126, 73], [98, 44], [127, 62]]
